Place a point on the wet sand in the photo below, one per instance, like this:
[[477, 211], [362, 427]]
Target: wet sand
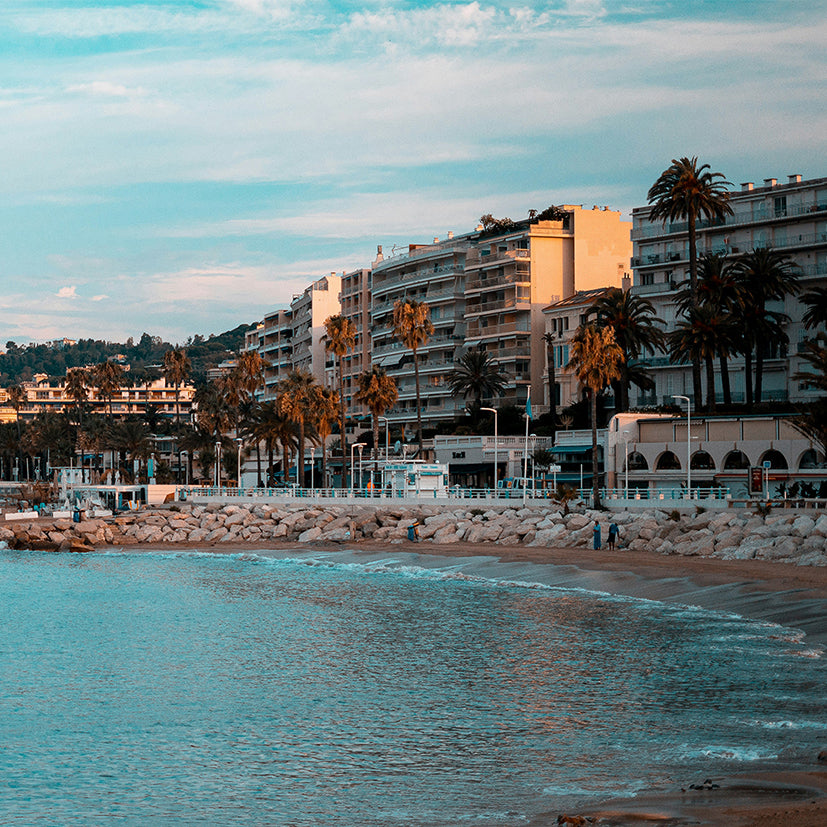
[[792, 596]]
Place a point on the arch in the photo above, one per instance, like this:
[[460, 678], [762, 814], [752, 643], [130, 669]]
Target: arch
[[668, 461], [735, 460], [702, 461], [775, 458], [811, 459], [637, 462]]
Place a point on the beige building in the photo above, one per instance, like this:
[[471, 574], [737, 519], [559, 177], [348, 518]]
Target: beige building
[[355, 306], [42, 396]]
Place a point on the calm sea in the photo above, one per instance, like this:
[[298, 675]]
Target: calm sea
[[316, 690]]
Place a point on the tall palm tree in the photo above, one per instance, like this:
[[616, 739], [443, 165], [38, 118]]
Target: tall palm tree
[[703, 335], [132, 437], [325, 411], [635, 324], [720, 291], [295, 400], [17, 398], [549, 338], [477, 375], [107, 377], [596, 359], [340, 337], [685, 191], [764, 275], [413, 327], [273, 428], [176, 369], [77, 389], [214, 412], [378, 392]]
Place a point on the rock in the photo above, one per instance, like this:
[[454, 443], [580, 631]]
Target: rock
[[803, 526], [216, 534], [310, 534], [548, 536]]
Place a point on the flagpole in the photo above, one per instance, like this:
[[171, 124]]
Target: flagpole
[[525, 448]]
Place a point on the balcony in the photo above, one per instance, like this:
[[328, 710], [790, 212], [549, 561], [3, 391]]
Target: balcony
[[475, 331], [497, 281]]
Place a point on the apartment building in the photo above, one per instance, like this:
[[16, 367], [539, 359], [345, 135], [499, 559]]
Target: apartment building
[[42, 396], [433, 274], [355, 299], [310, 309], [790, 217], [511, 277], [275, 345]]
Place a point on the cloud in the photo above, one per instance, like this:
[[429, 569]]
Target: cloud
[[105, 88], [100, 297], [67, 292]]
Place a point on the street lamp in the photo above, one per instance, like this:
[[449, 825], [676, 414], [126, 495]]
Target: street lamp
[[353, 448], [186, 465], [626, 439], [387, 437], [688, 443], [238, 442], [218, 466], [360, 445], [494, 411]]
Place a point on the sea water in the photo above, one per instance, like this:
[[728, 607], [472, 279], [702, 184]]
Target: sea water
[[182, 688]]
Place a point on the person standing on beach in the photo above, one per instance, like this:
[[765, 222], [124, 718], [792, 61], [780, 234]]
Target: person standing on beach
[[614, 532]]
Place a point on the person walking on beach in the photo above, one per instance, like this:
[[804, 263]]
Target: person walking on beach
[[614, 532]]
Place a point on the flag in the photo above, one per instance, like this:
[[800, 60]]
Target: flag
[[528, 408]]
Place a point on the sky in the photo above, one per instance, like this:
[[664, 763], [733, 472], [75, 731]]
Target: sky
[[180, 168]]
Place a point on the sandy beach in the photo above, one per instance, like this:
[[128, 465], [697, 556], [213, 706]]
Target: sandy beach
[[792, 596]]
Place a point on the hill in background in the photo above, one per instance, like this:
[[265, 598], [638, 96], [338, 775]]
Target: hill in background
[[19, 364]]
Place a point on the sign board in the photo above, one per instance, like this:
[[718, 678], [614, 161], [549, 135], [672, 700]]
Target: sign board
[[555, 469], [756, 480], [767, 464]]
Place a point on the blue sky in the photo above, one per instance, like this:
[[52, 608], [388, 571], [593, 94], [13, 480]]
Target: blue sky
[[183, 167]]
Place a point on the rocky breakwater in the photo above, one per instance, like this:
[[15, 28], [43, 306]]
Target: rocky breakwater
[[787, 535]]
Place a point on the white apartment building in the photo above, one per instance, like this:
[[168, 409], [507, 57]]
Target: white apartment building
[[311, 309], [433, 274], [355, 306], [790, 217]]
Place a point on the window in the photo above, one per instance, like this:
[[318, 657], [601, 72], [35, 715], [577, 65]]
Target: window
[[780, 205], [647, 278]]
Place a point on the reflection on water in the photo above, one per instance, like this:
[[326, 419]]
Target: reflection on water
[[159, 688]]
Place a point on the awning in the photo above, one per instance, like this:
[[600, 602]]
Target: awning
[[571, 449], [391, 359]]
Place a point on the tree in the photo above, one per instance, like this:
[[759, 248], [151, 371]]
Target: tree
[[132, 437], [702, 336], [816, 300], [549, 338], [273, 427], [325, 411], [340, 337], [77, 389], [295, 400], [720, 291], [378, 392], [685, 191], [214, 413], [596, 359], [249, 377], [477, 375], [635, 325], [17, 398], [176, 369], [764, 275], [107, 377], [412, 327]]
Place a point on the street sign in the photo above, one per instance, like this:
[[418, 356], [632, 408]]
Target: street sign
[[555, 469], [767, 464], [756, 480]]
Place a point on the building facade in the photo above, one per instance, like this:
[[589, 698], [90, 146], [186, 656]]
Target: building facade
[[789, 217]]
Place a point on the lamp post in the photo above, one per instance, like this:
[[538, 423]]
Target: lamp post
[[688, 443], [360, 445], [218, 466], [496, 440], [353, 448], [312, 467], [387, 437], [185, 454], [238, 442]]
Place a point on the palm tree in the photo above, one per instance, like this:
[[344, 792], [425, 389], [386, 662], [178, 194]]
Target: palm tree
[[686, 191], [325, 411], [132, 437], [77, 389], [295, 400], [176, 369], [702, 336], [412, 326], [815, 354], [378, 392], [340, 337], [816, 300], [273, 427], [549, 338], [764, 275], [635, 324], [214, 413], [720, 291], [596, 359], [17, 398], [477, 375], [107, 378]]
